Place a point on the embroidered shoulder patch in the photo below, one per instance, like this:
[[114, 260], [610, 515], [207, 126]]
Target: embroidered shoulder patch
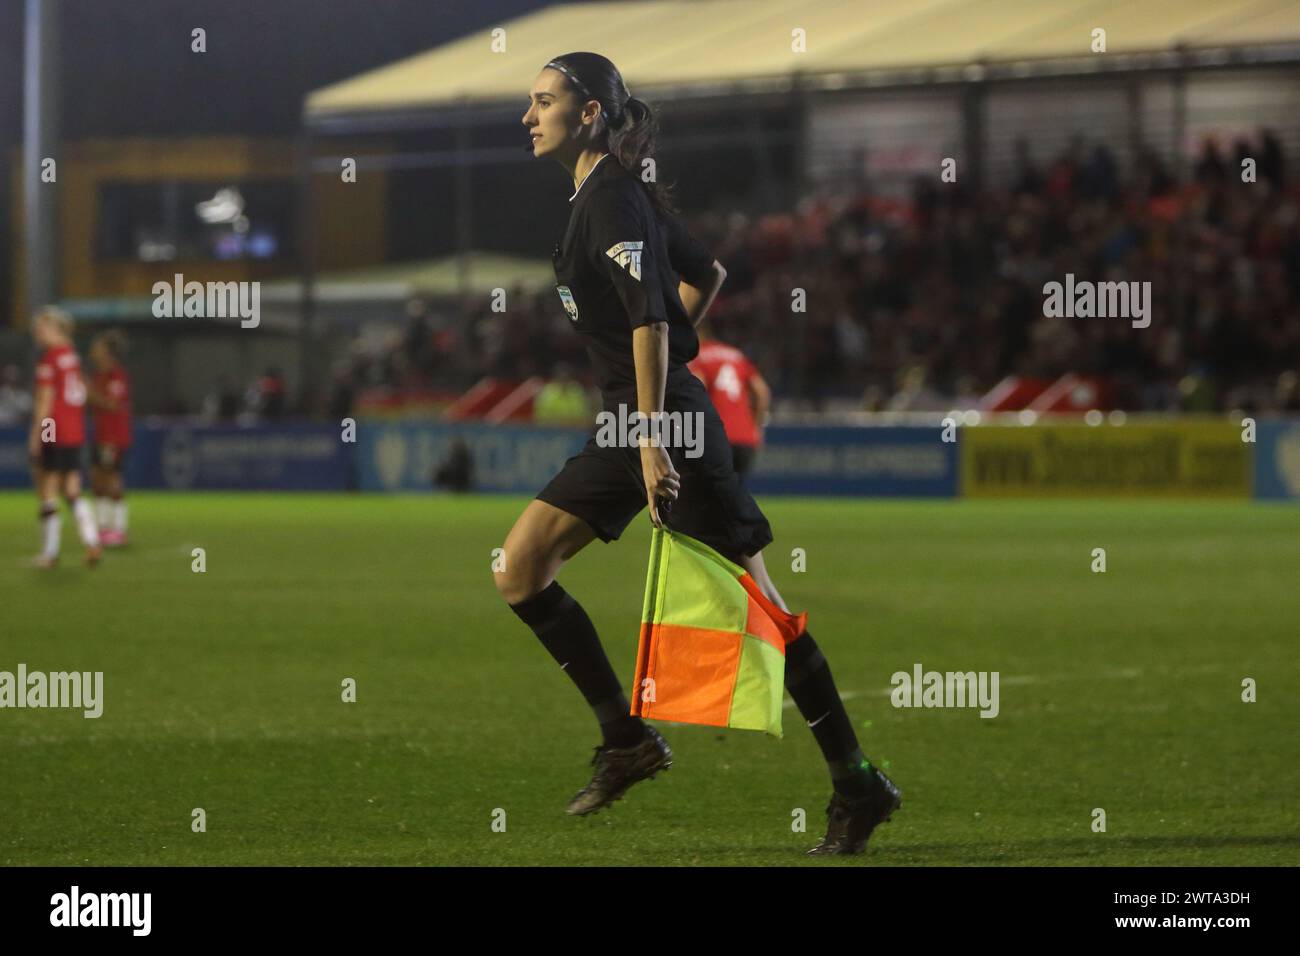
[[627, 255]]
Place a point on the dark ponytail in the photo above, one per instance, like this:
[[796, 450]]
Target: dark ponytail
[[632, 142], [630, 127]]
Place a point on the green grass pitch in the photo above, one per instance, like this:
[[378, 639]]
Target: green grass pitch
[[1119, 691]]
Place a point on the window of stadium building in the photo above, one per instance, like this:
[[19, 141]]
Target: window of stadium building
[[187, 220]]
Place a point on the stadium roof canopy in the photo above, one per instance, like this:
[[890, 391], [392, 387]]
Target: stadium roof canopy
[[708, 48]]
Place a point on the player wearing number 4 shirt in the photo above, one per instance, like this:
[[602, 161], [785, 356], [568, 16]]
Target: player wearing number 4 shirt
[[732, 380], [58, 431], [634, 285]]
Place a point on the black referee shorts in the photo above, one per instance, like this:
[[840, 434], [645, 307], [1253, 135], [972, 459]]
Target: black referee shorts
[[62, 458], [604, 487]]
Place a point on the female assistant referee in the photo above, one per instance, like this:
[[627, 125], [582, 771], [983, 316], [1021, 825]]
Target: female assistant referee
[[617, 267]]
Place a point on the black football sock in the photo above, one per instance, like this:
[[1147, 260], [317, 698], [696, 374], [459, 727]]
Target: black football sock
[[567, 633], [808, 679]]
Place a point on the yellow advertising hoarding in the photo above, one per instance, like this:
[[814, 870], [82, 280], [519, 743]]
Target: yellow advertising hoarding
[[1185, 458]]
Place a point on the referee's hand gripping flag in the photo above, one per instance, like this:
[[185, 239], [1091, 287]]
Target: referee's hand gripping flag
[[662, 482]]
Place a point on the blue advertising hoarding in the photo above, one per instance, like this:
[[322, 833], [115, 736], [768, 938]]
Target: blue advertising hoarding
[[14, 470], [520, 459], [1277, 459], [402, 456], [848, 460], [215, 457], [297, 457]]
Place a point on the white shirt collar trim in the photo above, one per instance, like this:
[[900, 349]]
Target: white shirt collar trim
[[588, 176]]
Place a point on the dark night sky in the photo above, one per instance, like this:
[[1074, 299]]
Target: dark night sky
[[126, 66]]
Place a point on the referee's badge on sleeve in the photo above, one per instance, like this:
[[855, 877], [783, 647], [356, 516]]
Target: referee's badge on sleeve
[[570, 306], [627, 255]]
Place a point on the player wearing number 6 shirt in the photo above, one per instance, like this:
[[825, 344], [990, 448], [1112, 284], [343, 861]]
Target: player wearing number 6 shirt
[[634, 285], [732, 380], [58, 431]]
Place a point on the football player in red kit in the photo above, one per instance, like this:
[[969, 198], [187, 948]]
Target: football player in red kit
[[732, 380], [58, 432], [110, 399]]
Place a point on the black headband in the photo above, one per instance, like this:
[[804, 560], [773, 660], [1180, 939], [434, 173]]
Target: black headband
[[582, 88], [573, 77]]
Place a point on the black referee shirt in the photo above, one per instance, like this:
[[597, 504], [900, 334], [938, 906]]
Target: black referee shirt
[[616, 269]]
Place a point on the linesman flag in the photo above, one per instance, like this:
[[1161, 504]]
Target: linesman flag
[[712, 647]]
